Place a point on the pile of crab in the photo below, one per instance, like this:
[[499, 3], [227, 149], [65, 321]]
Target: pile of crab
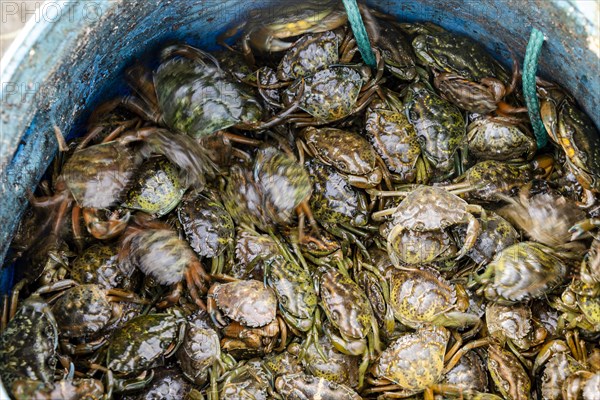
[[280, 220]]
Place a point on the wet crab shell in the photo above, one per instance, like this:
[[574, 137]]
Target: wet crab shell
[[208, 226], [430, 208], [247, 302], [99, 264], [415, 360], [161, 254], [348, 152], [469, 374], [157, 189], [394, 138], [198, 98], [199, 350], [28, 344], [413, 247], [294, 288], [82, 310], [302, 386], [330, 94], [283, 182], [523, 271], [345, 304], [141, 343], [419, 296], [98, 175], [309, 54]]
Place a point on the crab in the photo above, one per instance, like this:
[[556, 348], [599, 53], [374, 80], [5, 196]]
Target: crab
[[515, 326], [97, 176], [354, 330], [523, 271], [346, 151], [200, 352], [449, 52], [304, 386], [573, 131], [313, 52], [481, 97], [500, 138], [579, 304], [395, 139], [419, 297], [139, 345], [158, 251], [332, 94], [276, 188], [323, 361], [28, 344], [98, 264], [157, 188], [265, 28], [490, 180], [341, 209], [189, 93], [83, 311], [508, 374], [208, 227], [569, 369], [253, 326], [439, 124], [427, 212], [415, 363]]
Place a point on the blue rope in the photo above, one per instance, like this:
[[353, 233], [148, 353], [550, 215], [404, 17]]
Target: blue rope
[[360, 33], [532, 54]]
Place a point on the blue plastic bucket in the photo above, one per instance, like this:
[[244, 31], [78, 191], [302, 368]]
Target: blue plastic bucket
[[72, 54]]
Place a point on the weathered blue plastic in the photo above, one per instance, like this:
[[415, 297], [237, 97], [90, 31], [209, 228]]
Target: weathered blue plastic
[[74, 58]]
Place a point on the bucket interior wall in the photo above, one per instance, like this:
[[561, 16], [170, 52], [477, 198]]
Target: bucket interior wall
[[75, 57]]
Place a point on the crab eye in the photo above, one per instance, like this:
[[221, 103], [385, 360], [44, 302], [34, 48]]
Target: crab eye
[[335, 315]]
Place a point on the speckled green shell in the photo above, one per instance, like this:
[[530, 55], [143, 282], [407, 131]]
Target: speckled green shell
[[207, 225], [439, 124], [141, 343], [157, 189]]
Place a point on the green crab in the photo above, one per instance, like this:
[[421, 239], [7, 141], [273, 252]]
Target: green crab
[[419, 223], [580, 307], [265, 28], [509, 376], [348, 152], [499, 138], [395, 139], [157, 188], [481, 97], [302, 386], [440, 126], [341, 209], [523, 271], [449, 52], [208, 227], [355, 330], [142, 343], [573, 131], [28, 345], [313, 52], [332, 94], [411, 364], [419, 297]]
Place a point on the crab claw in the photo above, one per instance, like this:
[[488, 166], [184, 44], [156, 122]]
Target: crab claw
[[473, 231], [103, 230]]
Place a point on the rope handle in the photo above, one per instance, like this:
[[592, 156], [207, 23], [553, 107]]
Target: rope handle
[[532, 54], [360, 32]]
